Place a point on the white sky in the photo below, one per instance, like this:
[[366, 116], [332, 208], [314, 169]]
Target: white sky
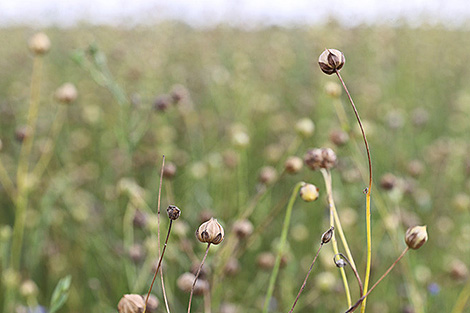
[[67, 12]]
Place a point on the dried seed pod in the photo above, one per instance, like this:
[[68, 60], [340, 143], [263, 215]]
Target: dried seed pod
[[313, 158], [67, 93], [152, 303], [329, 158], [267, 175], [178, 93], [242, 228], [326, 237], [293, 165], [309, 192], [339, 137], [340, 263], [266, 260], [131, 303], [210, 232], [173, 212], [162, 102], [331, 60], [22, 133], [388, 181], [169, 170], [39, 44], [416, 236]]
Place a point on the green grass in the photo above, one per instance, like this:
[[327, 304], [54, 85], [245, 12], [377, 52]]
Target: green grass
[[265, 80]]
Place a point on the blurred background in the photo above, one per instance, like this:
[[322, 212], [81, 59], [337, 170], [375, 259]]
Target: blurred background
[[231, 93]]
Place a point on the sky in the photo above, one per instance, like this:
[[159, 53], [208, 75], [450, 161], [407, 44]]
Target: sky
[[242, 12]]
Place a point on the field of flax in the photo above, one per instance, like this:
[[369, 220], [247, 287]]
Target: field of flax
[[227, 107]]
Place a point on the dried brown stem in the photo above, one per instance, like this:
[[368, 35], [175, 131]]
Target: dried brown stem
[[306, 277], [355, 306], [197, 275]]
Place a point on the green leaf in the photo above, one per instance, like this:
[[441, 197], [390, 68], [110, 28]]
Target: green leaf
[[60, 294]]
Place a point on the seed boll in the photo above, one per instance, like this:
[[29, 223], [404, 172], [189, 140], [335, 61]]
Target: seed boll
[[293, 165], [242, 228], [210, 232], [67, 93], [173, 212], [131, 303], [416, 236], [313, 158], [331, 60], [162, 103], [309, 192], [329, 158], [267, 175], [152, 303], [169, 170], [339, 137], [388, 181], [39, 44], [326, 237]]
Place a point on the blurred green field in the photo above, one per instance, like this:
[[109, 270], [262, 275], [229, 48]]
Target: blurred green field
[[411, 86]]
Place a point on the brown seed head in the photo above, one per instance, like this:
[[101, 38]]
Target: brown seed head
[[267, 175], [22, 133], [388, 181], [67, 93], [339, 137], [131, 303], [39, 44], [309, 192], [293, 165], [326, 237], [179, 92], [173, 212], [210, 232], [329, 158], [242, 228], [169, 170], [266, 260], [313, 158], [331, 60], [162, 102], [416, 236]]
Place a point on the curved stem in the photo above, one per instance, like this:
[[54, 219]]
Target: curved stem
[[362, 299], [368, 214], [359, 282], [282, 243], [306, 277], [197, 275]]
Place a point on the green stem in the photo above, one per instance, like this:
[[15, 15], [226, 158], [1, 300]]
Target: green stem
[[282, 244]]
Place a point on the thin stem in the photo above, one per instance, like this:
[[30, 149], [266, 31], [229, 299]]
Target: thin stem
[[333, 239], [197, 275], [368, 213], [462, 299], [358, 278], [6, 182], [165, 298], [21, 176], [354, 307], [329, 186], [282, 244], [158, 266], [306, 277]]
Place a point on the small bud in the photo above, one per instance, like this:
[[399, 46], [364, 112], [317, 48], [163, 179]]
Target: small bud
[[131, 303], [242, 228], [326, 237], [66, 93], [458, 270], [232, 267], [152, 303], [173, 212], [162, 102], [22, 133], [416, 236], [266, 260], [169, 170], [339, 137], [267, 175], [388, 181], [178, 93], [309, 192], [29, 289], [331, 60], [140, 219], [210, 232], [39, 44], [333, 89], [305, 127], [293, 165]]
